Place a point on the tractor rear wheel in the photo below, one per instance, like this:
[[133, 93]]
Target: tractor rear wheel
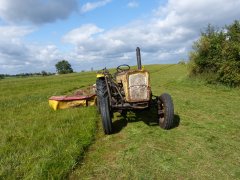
[[165, 111], [103, 102], [98, 106]]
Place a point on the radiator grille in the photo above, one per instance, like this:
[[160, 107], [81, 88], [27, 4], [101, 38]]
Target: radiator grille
[[138, 87]]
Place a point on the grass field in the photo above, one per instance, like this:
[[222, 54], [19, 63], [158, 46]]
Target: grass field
[[205, 145], [38, 143]]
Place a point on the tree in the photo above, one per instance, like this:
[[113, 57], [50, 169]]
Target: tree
[[44, 73], [1, 76], [63, 67], [216, 55]]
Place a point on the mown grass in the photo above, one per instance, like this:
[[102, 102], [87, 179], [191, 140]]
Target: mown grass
[[205, 144], [35, 141], [39, 143]]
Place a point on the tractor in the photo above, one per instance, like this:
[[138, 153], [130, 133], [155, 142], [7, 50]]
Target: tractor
[[128, 90]]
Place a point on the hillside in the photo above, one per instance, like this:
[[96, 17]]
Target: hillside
[[37, 142]]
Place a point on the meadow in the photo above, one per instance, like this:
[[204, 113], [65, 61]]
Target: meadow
[[38, 143], [205, 144]]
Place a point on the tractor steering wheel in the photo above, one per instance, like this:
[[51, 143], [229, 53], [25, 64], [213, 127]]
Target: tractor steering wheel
[[123, 67]]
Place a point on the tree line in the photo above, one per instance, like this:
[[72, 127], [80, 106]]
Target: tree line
[[62, 67], [43, 73]]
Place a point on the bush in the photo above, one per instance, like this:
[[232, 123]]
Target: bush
[[182, 62], [1, 76], [216, 55], [229, 73]]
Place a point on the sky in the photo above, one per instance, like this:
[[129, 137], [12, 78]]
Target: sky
[[36, 34]]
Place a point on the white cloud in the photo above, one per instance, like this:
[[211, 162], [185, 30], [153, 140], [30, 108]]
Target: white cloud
[[93, 5], [17, 56], [165, 37], [82, 34], [198, 14], [133, 4], [12, 32], [11, 43], [24, 58], [36, 11]]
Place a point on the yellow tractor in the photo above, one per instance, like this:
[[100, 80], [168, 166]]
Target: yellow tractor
[[129, 89]]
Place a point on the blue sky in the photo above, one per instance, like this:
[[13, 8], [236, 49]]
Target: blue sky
[[112, 15], [36, 34]]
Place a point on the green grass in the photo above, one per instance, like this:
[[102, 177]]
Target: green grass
[[37, 142], [205, 144]]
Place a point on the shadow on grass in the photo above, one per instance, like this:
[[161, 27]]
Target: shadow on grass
[[149, 117]]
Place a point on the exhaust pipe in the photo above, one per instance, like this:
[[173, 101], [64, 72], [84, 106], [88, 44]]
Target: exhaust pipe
[[139, 63]]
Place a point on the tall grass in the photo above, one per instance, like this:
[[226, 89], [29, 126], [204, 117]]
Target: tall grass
[[37, 142]]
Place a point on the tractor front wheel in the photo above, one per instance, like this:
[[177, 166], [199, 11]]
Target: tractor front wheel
[[103, 104], [165, 111]]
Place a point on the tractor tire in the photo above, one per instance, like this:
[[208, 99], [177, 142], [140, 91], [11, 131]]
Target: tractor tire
[[103, 102], [98, 106], [165, 111]]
